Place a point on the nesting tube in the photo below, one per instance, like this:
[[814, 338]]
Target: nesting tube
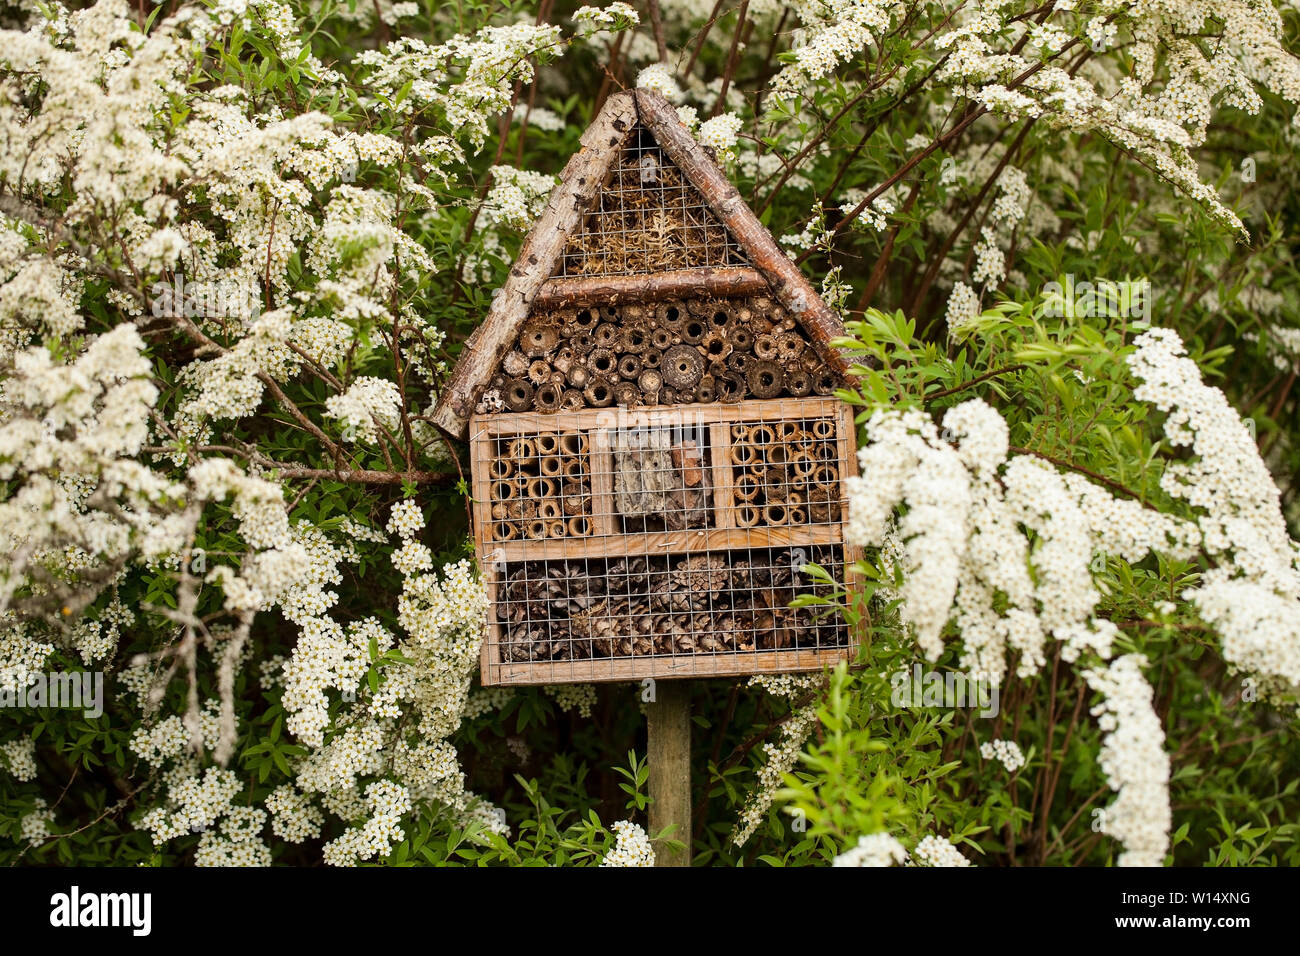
[[551, 466], [572, 468], [824, 451], [762, 434], [545, 487], [548, 509], [743, 454], [801, 464], [574, 497], [747, 516], [823, 428], [503, 490], [693, 330], [778, 454], [505, 531], [546, 443], [535, 529], [798, 382], [798, 515], [555, 529], [547, 397], [518, 395], [747, 487], [501, 468], [670, 315], [500, 512], [579, 526], [598, 393], [776, 514], [573, 443], [826, 475], [522, 449], [521, 508]]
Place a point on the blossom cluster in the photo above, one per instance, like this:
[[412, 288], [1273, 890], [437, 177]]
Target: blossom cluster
[[1003, 547]]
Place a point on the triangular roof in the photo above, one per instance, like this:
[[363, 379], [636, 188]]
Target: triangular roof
[[539, 277]]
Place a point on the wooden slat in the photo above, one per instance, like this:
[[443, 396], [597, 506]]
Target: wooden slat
[[571, 292], [642, 544], [604, 520], [481, 451], [773, 409], [724, 504], [598, 670]]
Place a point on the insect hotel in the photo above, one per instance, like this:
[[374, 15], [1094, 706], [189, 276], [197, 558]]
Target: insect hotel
[[656, 452]]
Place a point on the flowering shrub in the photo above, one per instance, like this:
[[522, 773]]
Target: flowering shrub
[[241, 242]]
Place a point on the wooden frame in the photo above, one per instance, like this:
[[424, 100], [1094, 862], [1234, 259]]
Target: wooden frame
[[607, 541]]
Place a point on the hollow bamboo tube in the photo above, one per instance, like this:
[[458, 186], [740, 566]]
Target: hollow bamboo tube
[[825, 475], [573, 443], [540, 487], [825, 451], [548, 509], [778, 454], [776, 514], [572, 468], [747, 488], [551, 466], [547, 443], [798, 515], [739, 432], [555, 529], [799, 482], [743, 454], [762, 435], [802, 464], [522, 449], [823, 428], [503, 490], [579, 527], [501, 468], [499, 512], [787, 431], [746, 516], [535, 529], [506, 531]]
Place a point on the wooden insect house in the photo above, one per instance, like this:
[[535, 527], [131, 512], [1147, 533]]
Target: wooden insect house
[[656, 452]]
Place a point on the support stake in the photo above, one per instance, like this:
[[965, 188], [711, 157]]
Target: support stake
[[668, 727]]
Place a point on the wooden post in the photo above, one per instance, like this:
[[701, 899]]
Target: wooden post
[[668, 727]]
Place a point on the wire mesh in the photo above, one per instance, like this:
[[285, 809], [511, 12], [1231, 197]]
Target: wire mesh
[[711, 603], [648, 218], [677, 534], [785, 473]]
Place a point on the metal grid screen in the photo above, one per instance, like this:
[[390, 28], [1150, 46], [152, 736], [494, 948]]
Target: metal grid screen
[[648, 219], [665, 542]]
